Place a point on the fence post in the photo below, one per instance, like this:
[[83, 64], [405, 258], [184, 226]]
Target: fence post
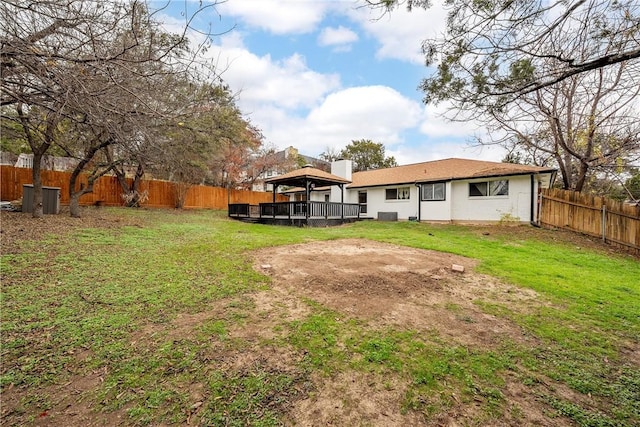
[[604, 223]]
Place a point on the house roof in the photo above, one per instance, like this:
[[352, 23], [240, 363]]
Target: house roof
[[441, 170], [299, 178], [291, 151]]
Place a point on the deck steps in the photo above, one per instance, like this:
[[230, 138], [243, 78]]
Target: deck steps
[[250, 220]]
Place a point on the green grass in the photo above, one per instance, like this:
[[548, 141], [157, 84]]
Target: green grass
[[426, 362], [248, 398], [99, 291]]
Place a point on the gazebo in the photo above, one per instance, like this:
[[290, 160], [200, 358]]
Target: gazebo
[[305, 212]]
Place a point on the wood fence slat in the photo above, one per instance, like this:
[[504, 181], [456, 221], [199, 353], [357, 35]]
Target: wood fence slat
[[108, 192], [583, 213]]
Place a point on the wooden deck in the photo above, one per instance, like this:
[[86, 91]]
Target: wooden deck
[[311, 214]]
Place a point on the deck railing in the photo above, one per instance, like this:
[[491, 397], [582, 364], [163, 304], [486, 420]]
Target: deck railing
[[296, 210], [239, 209]]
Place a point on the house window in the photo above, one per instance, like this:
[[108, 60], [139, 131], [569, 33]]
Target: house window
[[489, 188], [435, 191], [400, 193]]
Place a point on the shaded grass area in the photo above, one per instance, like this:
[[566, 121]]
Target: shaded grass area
[[93, 292]]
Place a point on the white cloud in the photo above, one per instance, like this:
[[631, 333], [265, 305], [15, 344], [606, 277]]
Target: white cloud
[[341, 38], [263, 82], [400, 33], [448, 138], [277, 16], [436, 124], [378, 113], [454, 147], [372, 111]]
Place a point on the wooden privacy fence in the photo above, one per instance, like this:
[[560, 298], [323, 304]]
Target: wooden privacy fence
[[614, 222], [108, 192]]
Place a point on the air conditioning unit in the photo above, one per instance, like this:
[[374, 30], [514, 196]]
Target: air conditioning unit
[[387, 216]]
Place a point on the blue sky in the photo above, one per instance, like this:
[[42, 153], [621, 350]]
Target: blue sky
[[318, 74]]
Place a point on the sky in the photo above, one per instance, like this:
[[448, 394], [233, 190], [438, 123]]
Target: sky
[[318, 74]]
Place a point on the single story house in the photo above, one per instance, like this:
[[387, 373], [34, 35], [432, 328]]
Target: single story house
[[449, 190]]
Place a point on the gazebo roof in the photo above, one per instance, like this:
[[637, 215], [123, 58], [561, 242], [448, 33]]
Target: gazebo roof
[[300, 177]]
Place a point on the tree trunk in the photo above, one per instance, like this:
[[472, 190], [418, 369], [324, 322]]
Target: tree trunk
[[74, 205], [37, 208], [180, 193], [126, 191], [130, 194], [74, 196], [582, 176], [136, 184]]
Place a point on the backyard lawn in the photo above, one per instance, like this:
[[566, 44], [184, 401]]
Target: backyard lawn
[[158, 317]]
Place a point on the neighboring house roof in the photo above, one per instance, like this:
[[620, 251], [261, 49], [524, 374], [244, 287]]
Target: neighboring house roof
[[56, 163], [291, 151], [299, 178], [441, 170], [315, 161]]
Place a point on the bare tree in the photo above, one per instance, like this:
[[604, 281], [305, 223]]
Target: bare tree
[[89, 62], [330, 154], [492, 51], [585, 125]]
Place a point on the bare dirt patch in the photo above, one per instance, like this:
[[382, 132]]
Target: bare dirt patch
[[390, 285], [68, 404], [395, 285], [339, 401]]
